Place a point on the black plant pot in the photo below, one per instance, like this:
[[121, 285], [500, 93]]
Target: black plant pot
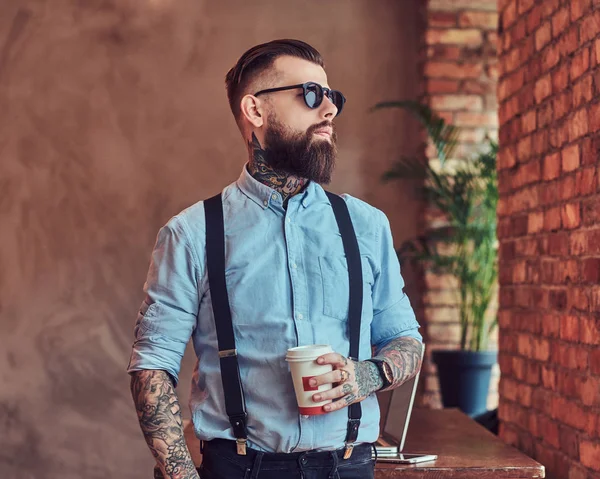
[[465, 378]]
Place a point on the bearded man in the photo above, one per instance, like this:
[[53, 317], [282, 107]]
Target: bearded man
[[266, 266]]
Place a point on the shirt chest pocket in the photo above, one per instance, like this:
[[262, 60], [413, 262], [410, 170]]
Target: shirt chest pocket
[[335, 283]]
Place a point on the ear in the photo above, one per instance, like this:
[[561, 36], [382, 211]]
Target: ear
[[251, 109]]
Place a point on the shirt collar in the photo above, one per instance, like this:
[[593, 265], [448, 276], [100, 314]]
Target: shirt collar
[[263, 195]]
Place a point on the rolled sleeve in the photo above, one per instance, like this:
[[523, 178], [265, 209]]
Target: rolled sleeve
[[393, 315], [168, 314]]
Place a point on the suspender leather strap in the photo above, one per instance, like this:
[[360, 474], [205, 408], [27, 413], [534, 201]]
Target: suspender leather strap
[[342, 216], [230, 372]]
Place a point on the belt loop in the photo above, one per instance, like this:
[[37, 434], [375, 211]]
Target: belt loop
[[256, 465], [334, 474]]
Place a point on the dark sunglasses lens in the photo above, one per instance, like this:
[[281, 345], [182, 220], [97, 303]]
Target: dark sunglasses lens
[[338, 100], [313, 95]]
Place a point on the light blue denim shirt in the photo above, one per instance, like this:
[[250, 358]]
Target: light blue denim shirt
[[287, 280]]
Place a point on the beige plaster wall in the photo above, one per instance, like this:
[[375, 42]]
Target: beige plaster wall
[[113, 117]]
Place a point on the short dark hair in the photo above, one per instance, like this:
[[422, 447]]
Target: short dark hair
[[259, 59]]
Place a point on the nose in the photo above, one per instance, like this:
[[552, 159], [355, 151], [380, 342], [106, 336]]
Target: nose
[[328, 108]]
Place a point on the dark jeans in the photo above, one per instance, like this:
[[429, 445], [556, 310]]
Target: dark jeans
[[220, 461]]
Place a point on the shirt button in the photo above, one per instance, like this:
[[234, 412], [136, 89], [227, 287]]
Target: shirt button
[[266, 203], [289, 220], [294, 265], [305, 416], [300, 316], [274, 196]]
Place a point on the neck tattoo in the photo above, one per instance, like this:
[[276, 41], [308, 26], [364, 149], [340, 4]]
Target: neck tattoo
[[285, 183]]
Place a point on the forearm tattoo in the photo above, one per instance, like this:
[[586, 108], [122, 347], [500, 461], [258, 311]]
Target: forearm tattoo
[[368, 379], [404, 356], [159, 414], [286, 184]]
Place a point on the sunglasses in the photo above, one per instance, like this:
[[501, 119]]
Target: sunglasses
[[313, 95]]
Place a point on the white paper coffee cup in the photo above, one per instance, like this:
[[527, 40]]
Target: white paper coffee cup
[[303, 366]]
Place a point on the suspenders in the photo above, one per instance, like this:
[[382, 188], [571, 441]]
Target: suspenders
[[230, 372]]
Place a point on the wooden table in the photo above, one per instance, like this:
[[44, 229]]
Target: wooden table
[[465, 450]]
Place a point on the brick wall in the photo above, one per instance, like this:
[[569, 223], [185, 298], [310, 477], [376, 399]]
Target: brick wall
[[549, 232], [460, 82]]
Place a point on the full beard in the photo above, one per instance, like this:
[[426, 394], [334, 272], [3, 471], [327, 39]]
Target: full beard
[[300, 154]]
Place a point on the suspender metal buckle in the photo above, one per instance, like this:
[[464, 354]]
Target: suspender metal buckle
[[348, 450], [241, 446]]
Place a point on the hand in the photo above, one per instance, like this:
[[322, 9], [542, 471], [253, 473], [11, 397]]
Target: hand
[[361, 379]]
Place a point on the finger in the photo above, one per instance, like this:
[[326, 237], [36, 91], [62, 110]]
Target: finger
[[334, 393], [342, 403], [333, 358], [334, 376]]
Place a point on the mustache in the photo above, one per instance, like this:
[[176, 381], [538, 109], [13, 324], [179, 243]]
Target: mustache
[[323, 124]]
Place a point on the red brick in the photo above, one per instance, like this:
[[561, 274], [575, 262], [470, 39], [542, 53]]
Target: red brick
[[571, 215], [589, 390], [558, 244], [545, 116], [552, 219], [590, 331], [486, 20], [595, 361], [596, 53], [590, 270], [549, 430], [541, 349], [578, 124], [551, 166], [583, 92], [442, 86], [560, 78], [509, 15], [525, 5], [540, 142], [578, 8], [528, 122], [590, 26], [535, 222], [580, 63], [562, 104], [570, 357], [558, 299], [550, 57], [578, 242], [569, 328], [543, 36], [577, 298], [569, 42], [524, 147], [548, 377], [452, 70], [569, 442], [594, 117], [570, 158], [560, 20], [441, 19], [474, 87], [456, 102], [589, 453], [534, 19], [440, 52], [543, 88], [471, 37]]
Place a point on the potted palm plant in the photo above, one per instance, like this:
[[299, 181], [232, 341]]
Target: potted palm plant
[[464, 245]]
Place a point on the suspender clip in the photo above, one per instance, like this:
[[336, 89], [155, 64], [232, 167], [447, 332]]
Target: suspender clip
[[348, 450], [241, 446]]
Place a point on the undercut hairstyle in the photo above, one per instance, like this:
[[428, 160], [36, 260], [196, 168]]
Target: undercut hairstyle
[[258, 60]]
